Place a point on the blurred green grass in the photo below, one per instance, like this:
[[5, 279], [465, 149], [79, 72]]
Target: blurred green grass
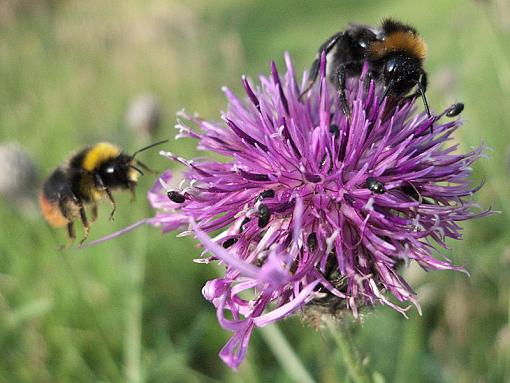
[[131, 309]]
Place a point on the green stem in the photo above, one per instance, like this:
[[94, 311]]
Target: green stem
[[133, 339], [506, 363], [349, 353], [103, 349], [285, 354]]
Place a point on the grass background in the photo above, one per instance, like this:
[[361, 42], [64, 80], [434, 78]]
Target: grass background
[[131, 309]]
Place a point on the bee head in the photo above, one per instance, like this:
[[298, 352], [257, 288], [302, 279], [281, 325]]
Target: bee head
[[120, 172], [401, 73]]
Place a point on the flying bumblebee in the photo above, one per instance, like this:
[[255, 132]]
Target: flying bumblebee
[[394, 52], [87, 177]]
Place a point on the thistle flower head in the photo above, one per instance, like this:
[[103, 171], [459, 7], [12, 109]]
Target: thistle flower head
[[311, 206]]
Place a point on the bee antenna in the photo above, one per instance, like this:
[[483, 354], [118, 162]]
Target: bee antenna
[[145, 167], [148, 147]]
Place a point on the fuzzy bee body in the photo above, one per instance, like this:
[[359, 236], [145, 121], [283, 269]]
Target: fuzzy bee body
[[89, 176], [394, 52]]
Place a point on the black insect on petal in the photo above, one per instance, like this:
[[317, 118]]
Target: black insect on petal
[[334, 130], [270, 193], [311, 242], [267, 193], [229, 242], [175, 196], [264, 215], [375, 186], [455, 109]]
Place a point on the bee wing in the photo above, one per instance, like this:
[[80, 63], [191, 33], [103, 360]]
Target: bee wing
[[378, 32]]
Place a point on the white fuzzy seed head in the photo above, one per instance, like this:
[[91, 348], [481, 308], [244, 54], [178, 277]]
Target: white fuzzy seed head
[[143, 115], [18, 175]]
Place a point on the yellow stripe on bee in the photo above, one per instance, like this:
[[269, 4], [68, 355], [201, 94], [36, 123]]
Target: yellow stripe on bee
[[400, 42], [98, 154]]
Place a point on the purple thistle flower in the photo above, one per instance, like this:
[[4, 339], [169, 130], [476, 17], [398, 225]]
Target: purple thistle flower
[[314, 208]]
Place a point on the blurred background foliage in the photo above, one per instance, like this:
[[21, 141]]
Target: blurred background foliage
[[131, 309]]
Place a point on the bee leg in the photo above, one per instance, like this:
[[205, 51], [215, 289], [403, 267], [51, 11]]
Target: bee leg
[[342, 81], [93, 210], [422, 87], [67, 208], [101, 185], [368, 80], [132, 189], [314, 70], [114, 205], [85, 222], [71, 233]]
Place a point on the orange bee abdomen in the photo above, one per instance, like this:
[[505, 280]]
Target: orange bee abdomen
[[51, 211]]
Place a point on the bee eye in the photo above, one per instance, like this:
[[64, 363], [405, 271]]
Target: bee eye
[[110, 170]]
